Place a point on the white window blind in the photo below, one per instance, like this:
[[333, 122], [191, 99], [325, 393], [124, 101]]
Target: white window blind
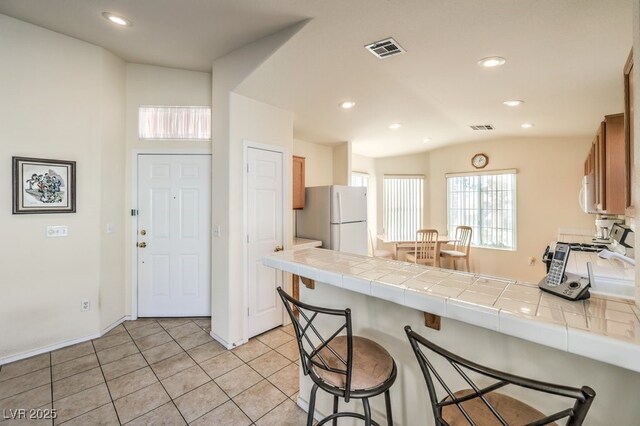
[[487, 203], [402, 206], [359, 179], [174, 122]]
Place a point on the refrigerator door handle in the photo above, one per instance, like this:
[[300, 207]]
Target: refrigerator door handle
[[339, 221]]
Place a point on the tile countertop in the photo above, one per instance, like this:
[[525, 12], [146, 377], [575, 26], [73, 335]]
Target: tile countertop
[[303, 243], [601, 328]]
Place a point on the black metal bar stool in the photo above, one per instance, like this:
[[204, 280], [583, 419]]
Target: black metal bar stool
[[344, 365], [482, 406]]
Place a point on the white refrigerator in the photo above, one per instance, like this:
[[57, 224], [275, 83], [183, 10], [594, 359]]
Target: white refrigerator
[[335, 215]]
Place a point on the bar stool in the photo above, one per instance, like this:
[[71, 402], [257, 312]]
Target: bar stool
[[345, 366], [483, 406]]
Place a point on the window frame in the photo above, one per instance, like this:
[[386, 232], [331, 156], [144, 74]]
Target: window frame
[[361, 175], [385, 212], [144, 138], [477, 228]]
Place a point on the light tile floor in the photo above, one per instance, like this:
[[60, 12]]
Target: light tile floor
[[158, 371]]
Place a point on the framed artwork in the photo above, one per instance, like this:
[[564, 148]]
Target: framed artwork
[[43, 186]]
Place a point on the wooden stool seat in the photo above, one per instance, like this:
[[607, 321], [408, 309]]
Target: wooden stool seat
[[372, 364], [513, 411]]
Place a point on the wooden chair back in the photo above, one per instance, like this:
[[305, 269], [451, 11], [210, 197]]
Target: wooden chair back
[[463, 239], [426, 244]]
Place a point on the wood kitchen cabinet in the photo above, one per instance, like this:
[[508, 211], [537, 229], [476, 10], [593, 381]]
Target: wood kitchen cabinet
[[298, 182], [615, 167], [607, 160], [629, 84]]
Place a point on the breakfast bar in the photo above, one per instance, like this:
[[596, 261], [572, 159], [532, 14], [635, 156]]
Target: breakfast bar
[[505, 324]]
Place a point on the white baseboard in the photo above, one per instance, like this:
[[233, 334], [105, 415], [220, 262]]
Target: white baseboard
[[226, 344], [60, 345], [305, 407]]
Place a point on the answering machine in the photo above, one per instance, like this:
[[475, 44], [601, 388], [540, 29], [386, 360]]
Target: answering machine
[[566, 285]]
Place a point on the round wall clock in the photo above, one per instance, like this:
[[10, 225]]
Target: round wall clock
[[479, 161]]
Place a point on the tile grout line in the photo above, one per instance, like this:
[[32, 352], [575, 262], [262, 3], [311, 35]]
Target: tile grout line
[[51, 383], [157, 378], [106, 385], [212, 379]]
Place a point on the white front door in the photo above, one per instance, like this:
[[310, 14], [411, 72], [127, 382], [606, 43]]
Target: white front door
[[264, 225], [174, 235]]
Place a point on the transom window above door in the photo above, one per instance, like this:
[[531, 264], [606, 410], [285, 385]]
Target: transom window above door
[[174, 123]]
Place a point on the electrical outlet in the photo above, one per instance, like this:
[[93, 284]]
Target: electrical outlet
[[85, 305]]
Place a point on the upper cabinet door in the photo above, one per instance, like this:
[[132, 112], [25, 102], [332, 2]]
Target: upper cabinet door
[[298, 182]]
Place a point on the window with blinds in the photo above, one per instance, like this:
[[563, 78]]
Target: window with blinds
[[359, 179], [487, 203], [174, 122], [402, 206]]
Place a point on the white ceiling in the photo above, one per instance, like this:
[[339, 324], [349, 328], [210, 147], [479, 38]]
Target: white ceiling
[[564, 59]]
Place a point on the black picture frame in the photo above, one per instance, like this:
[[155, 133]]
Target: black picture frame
[[42, 185]]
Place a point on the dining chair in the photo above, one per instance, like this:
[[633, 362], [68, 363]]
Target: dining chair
[[386, 254], [426, 250], [480, 406], [460, 246], [341, 364]]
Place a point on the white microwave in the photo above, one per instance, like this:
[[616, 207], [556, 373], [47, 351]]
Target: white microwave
[[588, 194]]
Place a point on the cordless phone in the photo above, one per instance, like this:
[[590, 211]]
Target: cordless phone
[[569, 286], [558, 264]]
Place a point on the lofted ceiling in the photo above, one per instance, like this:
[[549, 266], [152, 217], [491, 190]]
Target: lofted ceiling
[[564, 59]]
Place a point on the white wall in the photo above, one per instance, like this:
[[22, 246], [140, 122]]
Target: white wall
[[228, 129], [542, 164], [151, 85], [342, 163], [318, 163], [253, 121], [113, 299], [362, 164], [60, 99], [548, 181]]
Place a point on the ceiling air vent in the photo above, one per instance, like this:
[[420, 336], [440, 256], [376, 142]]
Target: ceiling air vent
[[385, 48], [482, 127]]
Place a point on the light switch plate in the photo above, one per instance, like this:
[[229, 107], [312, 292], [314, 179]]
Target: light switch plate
[[111, 228], [57, 231]]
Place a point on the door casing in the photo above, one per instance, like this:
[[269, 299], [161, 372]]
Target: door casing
[[133, 232], [286, 225]]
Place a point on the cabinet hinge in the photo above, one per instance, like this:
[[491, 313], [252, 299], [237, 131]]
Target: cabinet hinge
[[247, 167], [247, 311], [247, 237]]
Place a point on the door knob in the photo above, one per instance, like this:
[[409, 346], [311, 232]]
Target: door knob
[[143, 232], [142, 245], [278, 248]]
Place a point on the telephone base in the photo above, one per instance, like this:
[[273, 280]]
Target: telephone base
[[572, 287]]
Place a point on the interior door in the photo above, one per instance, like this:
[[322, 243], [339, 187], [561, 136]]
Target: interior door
[[264, 226], [174, 235]]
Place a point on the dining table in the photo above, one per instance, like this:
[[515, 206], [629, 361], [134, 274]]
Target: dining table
[[406, 245]]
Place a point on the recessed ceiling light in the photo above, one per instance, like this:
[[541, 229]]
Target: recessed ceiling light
[[492, 61], [347, 104], [513, 103], [395, 126], [426, 140], [116, 19], [526, 125]]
